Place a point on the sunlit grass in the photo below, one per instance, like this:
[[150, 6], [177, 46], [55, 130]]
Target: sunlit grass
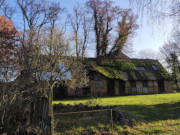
[[128, 100], [159, 113]]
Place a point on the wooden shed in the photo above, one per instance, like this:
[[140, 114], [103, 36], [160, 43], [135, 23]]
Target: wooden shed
[[115, 76]]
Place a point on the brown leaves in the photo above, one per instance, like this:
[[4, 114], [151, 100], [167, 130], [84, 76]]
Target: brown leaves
[[8, 38], [7, 30], [126, 26]]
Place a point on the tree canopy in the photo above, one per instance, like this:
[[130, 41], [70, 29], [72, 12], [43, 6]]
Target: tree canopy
[[9, 47], [112, 26]]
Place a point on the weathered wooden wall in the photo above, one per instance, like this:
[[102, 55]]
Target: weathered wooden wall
[[40, 113]]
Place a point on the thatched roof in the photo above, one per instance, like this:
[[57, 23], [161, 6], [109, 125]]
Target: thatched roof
[[128, 69]]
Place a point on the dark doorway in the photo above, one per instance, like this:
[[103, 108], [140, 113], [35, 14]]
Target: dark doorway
[[60, 92], [161, 86], [111, 88], [86, 91], [122, 88]]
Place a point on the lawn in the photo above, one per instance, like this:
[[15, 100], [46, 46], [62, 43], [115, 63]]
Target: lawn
[[159, 113]]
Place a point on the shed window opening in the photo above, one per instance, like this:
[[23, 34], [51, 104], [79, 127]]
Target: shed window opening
[[99, 84], [145, 84], [133, 84], [155, 67], [140, 68]]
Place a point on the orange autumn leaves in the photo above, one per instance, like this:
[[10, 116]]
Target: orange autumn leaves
[[7, 30], [8, 41]]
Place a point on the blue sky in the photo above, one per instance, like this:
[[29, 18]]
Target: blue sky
[[148, 36]]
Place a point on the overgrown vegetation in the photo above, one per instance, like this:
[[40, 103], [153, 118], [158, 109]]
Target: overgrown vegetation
[[111, 68], [16, 110]]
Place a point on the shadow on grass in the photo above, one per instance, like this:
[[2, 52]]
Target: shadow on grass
[[152, 113], [147, 113], [79, 122], [66, 119]]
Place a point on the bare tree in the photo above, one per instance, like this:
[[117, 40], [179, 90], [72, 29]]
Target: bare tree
[[36, 15], [8, 11], [45, 56], [110, 19], [59, 62], [80, 24], [58, 65], [126, 28], [158, 10], [148, 54], [1, 3]]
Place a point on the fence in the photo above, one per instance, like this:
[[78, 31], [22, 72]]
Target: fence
[[40, 118], [82, 119], [24, 108]]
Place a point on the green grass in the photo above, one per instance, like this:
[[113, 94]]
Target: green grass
[[160, 113], [80, 120], [128, 100]]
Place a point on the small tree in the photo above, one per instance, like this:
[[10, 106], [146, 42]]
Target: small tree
[[58, 65], [173, 62]]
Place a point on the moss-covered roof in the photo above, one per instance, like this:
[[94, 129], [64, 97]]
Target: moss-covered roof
[[125, 69]]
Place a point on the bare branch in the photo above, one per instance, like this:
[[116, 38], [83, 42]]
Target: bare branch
[[1, 3]]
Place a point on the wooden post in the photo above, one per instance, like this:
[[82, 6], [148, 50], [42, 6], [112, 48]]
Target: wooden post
[[50, 114], [111, 120]]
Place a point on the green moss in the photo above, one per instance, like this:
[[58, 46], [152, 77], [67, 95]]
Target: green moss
[[164, 73], [107, 63], [161, 73], [110, 72], [125, 65], [138, 63], [111, 67], [133, 76]]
